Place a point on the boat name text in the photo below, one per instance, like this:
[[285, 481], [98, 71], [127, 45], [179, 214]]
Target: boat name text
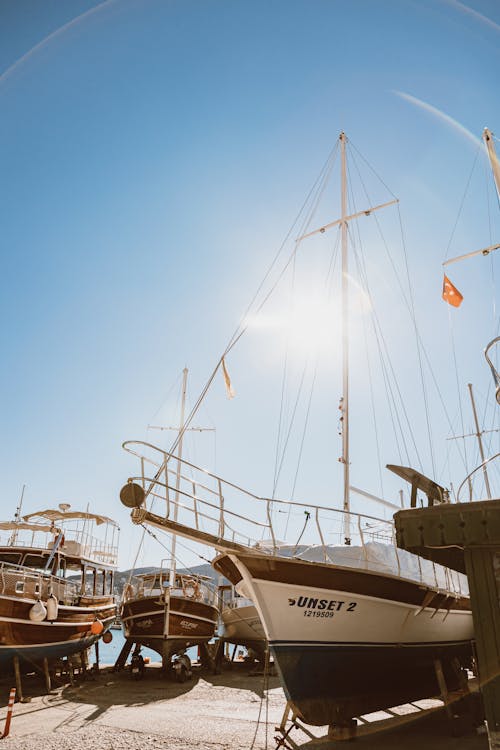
[[328, 605], [189, 625]]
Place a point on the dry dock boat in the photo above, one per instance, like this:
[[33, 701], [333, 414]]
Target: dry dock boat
[[56, 584], [354, 624], [352, 629], [241, 622], [168, 618]]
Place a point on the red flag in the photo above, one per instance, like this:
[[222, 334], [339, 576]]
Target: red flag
[[451, 295]]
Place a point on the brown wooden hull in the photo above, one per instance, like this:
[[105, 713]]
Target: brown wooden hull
[[33, 641], [189, 623]]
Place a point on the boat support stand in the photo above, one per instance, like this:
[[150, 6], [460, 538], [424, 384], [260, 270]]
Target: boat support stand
[[461, 707]]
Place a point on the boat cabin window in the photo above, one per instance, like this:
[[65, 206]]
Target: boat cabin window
[[73, 573], [101, 583], [107, 582], [19, 587], [37, 562], [14, 558], [89, 582], [60, 569], [150, 585]]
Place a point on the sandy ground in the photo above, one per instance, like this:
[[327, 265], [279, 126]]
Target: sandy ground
[[216, 712]]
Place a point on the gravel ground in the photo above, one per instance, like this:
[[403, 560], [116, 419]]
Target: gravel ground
[[97, 738], [211, 712]]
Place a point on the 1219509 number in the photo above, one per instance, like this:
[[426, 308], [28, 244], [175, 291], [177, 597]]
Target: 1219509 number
[[316, 613]]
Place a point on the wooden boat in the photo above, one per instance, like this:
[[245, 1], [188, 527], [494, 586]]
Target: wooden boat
[[56, 584], [169, 611], [169, 619]]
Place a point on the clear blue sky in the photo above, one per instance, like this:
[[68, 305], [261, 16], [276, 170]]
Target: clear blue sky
[[154, 155]]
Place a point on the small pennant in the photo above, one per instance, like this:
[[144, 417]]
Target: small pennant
[[451, 295]]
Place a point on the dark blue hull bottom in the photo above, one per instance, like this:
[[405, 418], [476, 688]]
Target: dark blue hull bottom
[[34, 655], [330, 684]]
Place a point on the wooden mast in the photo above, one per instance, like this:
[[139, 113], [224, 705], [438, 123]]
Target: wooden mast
[[178, 475]]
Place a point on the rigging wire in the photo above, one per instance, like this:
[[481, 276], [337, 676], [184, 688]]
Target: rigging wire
[[315, 201], [243, 325], [410, 305], [380, 338], [390, 377], [462, 202], [372, 402], [385, 368], [306, 421], [457, 382], [404, 297], [421, 344], [290, 427], [283, 392], [419, 352], [367, 353], [328, 286], [212, 585]]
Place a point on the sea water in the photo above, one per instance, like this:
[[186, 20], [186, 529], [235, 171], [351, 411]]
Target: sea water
[[109, 652]]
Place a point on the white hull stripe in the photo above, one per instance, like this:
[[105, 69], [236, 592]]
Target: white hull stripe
[[22, 646], [172, 612], [65, 607], [53, 624], [181, 637]]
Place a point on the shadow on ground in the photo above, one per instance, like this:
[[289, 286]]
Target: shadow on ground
[[411, 732]]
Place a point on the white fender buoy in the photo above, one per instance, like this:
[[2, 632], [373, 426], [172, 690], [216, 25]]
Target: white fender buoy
[[38, 612], [52, 608]]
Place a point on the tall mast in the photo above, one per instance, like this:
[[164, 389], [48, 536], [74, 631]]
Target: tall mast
[[17, 518], [345, 337], [492, 154], [344, 401], [480, 441], [178, 477]]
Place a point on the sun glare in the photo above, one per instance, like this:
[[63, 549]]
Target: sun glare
[[312, 325]]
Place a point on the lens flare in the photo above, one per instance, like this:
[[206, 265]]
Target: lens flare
[[50, 37], [440, 116]]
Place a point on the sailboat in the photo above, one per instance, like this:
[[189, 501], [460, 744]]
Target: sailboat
[[354, 624], [169, 611]]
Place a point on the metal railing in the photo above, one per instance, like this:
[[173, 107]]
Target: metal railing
[[204, 502], [27, 583], [78, 542], [188, 586], [475, 477]]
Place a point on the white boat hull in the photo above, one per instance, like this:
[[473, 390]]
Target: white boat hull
[[242, 625], [347, 642], [316, 615]]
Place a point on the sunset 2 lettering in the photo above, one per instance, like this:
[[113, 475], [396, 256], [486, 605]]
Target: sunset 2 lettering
[[327, 605]]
